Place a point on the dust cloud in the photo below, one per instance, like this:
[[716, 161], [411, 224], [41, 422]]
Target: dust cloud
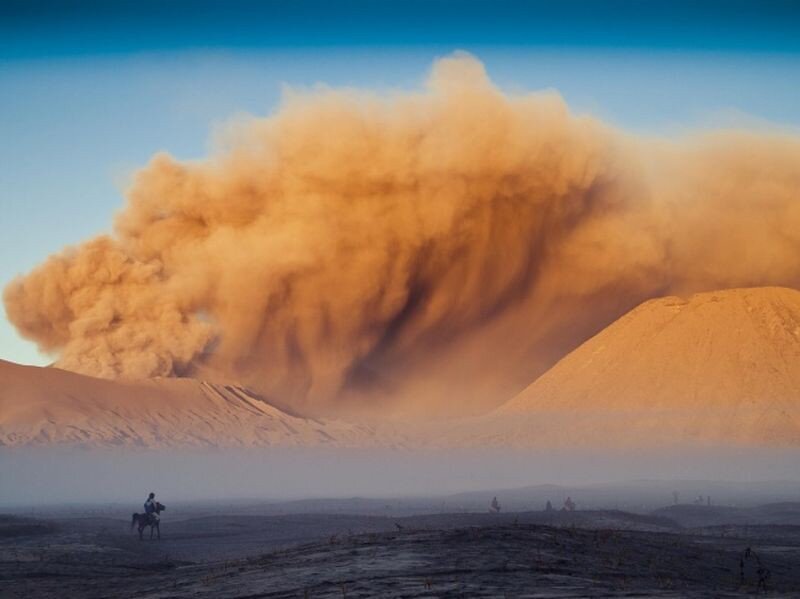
[[409, 253]]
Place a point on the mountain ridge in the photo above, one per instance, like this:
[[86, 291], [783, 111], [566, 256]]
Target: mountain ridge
[[44, 406], [717, 367]]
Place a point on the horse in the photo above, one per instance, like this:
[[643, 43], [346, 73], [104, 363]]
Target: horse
[[148, 520]]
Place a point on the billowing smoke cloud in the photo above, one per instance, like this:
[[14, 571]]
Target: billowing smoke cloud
[[432, 251]]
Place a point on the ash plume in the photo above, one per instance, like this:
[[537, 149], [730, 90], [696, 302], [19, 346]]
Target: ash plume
[[427, 252]]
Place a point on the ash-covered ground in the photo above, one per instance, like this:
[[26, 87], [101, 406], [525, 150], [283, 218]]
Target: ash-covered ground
[[275, 551]]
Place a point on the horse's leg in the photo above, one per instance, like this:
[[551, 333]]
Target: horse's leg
[[141, 530], [151, 532]]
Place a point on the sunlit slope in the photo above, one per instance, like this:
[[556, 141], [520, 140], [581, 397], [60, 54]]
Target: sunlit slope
[[52, 406], [719, 367]]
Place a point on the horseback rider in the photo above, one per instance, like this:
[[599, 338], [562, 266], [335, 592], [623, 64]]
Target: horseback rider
[[150, 508], [150, 518]]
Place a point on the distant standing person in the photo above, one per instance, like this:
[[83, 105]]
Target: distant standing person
[[495, 506]]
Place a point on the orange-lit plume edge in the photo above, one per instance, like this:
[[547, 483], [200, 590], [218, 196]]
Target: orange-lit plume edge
[[425, 252]]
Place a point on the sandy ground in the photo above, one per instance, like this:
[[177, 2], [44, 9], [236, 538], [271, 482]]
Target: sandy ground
[[524, 554]]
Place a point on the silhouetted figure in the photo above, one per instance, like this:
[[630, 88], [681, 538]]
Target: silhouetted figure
[[548, 507], [762, 572], [494, 507], [763, 577], [569, 505], [151, 518]]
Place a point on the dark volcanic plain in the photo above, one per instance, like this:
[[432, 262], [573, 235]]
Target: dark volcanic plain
[[681, 551]]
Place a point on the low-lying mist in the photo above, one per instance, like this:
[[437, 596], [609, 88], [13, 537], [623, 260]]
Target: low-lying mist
[[31, 477]]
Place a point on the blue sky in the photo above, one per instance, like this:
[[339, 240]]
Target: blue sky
[[90, 90]]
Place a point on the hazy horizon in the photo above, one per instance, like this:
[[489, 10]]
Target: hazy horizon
[[43, 476]]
